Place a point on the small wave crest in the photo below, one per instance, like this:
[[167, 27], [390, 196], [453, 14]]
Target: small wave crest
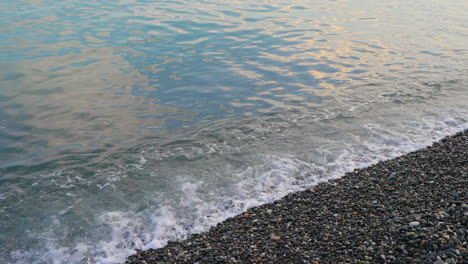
[[197, 203]]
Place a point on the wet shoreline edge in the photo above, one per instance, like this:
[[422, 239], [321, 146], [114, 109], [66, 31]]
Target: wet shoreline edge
[[410, 209]]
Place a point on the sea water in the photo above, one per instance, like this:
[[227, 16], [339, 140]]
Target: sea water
[[128, 123]]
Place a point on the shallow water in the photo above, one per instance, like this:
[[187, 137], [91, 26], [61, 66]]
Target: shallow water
[[124, 124]]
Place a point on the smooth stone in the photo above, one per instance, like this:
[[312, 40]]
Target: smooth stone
[[275, 237], [451, 254], [456, 241], [414, 224]]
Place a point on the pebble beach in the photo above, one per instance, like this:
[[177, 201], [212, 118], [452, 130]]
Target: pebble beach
[[411, 209]]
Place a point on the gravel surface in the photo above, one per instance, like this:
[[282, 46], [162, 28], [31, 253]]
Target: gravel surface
[[412, 209]]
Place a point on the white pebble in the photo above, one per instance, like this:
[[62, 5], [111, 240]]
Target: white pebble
[[414, 224]]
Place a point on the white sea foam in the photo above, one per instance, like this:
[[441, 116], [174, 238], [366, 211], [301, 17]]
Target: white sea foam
[[205, 184], [199, 206], [271, 178]]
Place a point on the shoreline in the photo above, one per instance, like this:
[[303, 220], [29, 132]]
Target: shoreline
[[411, 209]]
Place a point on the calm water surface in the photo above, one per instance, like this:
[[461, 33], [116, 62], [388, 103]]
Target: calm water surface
[[125, 124]]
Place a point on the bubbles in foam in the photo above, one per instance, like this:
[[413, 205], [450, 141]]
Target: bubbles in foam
[[272, 177], [225, 171]]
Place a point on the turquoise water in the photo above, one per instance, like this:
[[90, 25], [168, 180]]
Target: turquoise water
[[124, 124]]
